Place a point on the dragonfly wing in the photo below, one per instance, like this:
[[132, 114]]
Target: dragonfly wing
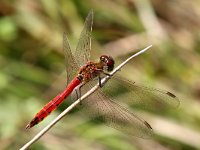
[[104, 110], [71, 64], [83, 48], [140, 96]]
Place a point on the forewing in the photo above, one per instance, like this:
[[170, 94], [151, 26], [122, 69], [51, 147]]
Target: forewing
[[71, 64], [140, 96], [83, 48]]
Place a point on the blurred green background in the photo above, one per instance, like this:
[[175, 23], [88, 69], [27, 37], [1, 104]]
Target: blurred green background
[[32, 69]]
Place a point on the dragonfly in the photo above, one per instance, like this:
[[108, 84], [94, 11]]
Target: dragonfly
[[81, 76]]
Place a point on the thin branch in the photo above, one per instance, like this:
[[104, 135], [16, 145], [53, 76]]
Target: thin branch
[[67, 110], [147, 14]]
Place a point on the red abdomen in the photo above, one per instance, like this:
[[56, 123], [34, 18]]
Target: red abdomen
[[53, 104]]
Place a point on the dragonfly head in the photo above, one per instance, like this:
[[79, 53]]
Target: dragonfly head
[[108, 62]]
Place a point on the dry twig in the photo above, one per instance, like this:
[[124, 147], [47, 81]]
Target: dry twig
[[67, 110]]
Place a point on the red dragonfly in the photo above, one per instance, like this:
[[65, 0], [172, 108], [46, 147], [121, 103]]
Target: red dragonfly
[[82, 72]]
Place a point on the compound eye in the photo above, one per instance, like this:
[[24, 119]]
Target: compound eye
[[108, 61], [102, 58]]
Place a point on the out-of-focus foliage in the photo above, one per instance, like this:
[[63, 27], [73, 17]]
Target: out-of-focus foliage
[[32, 68]]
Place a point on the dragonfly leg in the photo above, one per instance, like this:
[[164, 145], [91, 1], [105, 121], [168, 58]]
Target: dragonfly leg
[[77, 96], [78, 92], [100, 85], [104, 72], [99, 77]]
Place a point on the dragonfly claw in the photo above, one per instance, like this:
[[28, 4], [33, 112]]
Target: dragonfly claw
[[28, 126]]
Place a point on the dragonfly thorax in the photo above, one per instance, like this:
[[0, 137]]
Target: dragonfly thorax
[[89, 71]]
